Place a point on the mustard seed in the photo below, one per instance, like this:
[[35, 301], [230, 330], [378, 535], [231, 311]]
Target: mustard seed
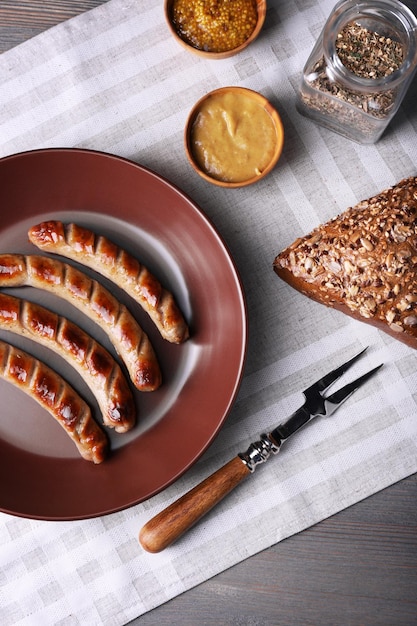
[[214, 25]]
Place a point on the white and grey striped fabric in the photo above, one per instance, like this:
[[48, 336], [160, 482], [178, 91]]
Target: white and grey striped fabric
[[114, 80]]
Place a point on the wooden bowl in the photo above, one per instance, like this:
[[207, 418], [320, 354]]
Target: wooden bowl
[[261, 9], [262, 112]]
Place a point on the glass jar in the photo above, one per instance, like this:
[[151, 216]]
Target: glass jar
[[360, 68]]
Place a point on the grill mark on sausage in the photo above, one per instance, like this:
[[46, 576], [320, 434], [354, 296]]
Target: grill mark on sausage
[[105, 257], [56, 396], [95, 301], [96, 366]]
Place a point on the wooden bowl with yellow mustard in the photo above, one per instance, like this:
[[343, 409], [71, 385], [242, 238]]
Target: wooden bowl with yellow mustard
[[233, 137], [215, 29]]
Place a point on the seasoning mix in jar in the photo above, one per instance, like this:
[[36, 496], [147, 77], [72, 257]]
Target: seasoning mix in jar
[[360, 68], [214, 25]]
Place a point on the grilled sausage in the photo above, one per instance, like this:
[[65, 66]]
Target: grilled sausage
[[106, 258], [56, 396], [96, 366], [65, 281]]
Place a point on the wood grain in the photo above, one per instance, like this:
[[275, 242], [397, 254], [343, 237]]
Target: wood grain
[[22, 19], [358, 568], [171, 523]]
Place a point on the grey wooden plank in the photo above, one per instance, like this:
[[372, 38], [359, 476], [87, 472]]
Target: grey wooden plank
[[359, 567], [22, 19]]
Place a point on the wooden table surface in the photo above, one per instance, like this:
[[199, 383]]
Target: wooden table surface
[[358, 568]]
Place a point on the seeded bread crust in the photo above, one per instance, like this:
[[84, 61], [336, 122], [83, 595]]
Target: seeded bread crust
[[363, 262]]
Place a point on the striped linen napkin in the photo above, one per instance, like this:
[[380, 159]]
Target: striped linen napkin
[[114, 80]]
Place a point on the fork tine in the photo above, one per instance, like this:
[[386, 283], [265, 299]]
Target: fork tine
[[328, 379], [333, 401]]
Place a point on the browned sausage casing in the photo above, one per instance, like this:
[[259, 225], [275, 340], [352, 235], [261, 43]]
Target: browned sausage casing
[[56, 396], [96, 366], [65, 281], [108, 259]]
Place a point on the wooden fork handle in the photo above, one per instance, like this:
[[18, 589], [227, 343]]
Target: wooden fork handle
[[166, 527]]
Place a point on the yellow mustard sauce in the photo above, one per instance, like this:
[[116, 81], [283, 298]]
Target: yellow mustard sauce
[[214, 25], [233, 138]]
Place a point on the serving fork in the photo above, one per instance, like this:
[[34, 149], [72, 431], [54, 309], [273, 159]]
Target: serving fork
[[168, 525]]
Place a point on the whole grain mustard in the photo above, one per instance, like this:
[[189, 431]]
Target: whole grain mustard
[[214, 25]]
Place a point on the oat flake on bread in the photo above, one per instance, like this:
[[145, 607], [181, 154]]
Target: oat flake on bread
[[363, 262]]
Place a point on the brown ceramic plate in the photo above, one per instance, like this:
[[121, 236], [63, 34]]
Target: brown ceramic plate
[[42, 475]]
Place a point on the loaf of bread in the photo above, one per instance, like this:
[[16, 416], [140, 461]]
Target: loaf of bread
[[363, 262]]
